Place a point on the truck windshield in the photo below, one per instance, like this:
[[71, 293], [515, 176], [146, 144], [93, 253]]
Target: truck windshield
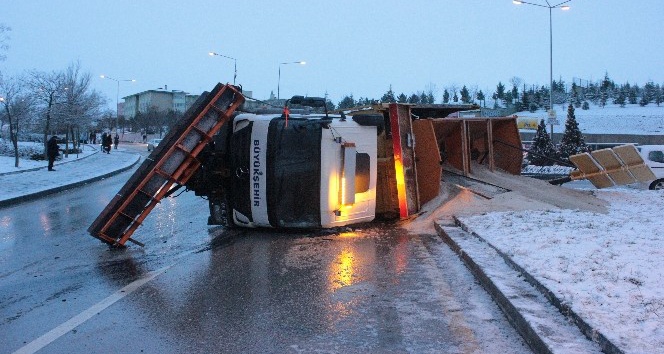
[[293, 171]]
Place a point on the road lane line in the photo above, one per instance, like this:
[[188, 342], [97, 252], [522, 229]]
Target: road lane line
[[82, 317]]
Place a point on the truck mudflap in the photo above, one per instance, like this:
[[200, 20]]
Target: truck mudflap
[[171, 163]]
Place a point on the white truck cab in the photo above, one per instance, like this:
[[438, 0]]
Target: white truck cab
[[305, 171], [653, 155]]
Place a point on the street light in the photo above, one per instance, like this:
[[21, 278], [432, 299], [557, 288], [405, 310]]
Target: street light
[[117, 97], [234, 60], [552, 113], [280, 64]]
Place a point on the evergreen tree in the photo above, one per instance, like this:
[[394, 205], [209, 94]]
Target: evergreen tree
[[620, 99], [515, 93], [465, 95], [572, 142], [507, 98], [347, 102], [575, 95], [446, 96], [525, 100], [605, 89], [402, 98], [414, 98], [430, 98], [388, 97], [481, 98], [633, 93], [500, 91], [649, 92], [542, 148], [455, 98]]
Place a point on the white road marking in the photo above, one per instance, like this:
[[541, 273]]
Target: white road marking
[[79, 319]]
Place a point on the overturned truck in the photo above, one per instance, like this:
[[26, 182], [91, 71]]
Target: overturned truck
[[307, 168]]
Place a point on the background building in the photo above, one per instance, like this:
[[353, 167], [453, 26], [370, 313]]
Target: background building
[[162, 100]]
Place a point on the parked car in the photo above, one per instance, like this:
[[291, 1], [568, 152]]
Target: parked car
[[653, 155], [152, 143]]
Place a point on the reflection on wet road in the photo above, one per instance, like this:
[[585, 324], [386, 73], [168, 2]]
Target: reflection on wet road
[[370, 289]]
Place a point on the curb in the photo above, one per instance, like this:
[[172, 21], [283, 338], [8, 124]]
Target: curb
[[591, 333], [542, 326], [27, 197]]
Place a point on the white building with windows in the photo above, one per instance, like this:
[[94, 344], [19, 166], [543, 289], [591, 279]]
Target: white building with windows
[[163, 100]]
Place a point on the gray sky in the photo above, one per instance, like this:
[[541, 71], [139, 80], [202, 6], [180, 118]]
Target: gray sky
[[358, 47]]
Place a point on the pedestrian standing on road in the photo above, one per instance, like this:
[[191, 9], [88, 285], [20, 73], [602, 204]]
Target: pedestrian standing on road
[[52, 151], [116, 141], [93, 138]]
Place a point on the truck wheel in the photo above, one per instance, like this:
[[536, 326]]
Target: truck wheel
[[220, 213], [657, 184]]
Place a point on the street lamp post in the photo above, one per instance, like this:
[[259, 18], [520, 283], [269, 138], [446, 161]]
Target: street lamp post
[[227, 57], [280, 64], [552, 112], [117, 96]]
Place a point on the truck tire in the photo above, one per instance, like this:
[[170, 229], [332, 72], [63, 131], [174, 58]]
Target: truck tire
[[657, 184], [220, 213]]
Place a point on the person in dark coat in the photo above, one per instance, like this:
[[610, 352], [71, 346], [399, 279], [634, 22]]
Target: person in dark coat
[[52, 151], [116, 141], [106, 142]]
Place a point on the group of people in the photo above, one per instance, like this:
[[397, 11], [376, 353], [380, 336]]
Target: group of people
[[53, 149], [107, 140]]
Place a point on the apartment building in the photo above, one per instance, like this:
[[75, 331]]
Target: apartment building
[[163, 100]]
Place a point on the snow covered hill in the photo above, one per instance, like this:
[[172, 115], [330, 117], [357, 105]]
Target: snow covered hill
[[611, 119]]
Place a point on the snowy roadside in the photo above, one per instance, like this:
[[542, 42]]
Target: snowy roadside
[[25, 164], [32, 177], [606, 267]]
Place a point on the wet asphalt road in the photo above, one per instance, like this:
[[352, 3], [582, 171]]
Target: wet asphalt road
[[202, 289]]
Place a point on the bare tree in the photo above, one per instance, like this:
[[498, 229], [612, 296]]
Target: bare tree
[[47, 90], [453, 89], [516, 81], [4, 39], [66, 100], [80, 105], [16, 107]]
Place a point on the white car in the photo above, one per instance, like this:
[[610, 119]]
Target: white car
[[152, 143], [653, 155]]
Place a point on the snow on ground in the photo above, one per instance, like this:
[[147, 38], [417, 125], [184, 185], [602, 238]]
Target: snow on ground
[[7, 163], [32, 176], [611, 119], [607, 267]]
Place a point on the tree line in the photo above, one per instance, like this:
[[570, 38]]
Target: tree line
[[521, 97]]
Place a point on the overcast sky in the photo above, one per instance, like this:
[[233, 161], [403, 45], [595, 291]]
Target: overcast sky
[[351, 47]]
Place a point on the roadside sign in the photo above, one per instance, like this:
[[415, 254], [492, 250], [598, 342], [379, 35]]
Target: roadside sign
[[552, 120], [527, 123]]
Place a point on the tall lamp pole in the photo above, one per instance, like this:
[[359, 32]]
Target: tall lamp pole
[[227, 57], [117, 96], [280, 64], [552, 113]]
